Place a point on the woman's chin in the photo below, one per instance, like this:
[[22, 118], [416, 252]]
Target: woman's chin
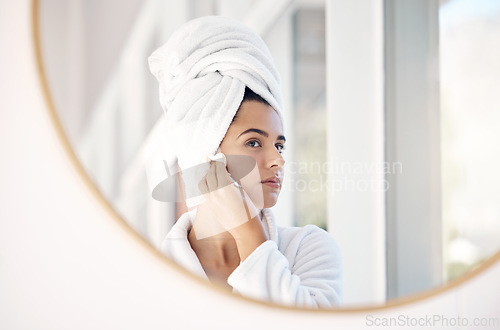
[[263, 198], [270, 200]]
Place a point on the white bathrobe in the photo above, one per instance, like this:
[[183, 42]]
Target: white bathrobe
[[295, 267]]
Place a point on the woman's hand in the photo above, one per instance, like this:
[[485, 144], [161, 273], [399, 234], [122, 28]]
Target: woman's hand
[[227, 207], [225, 202]]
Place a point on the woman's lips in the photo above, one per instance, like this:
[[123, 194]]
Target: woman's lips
[[273, 182]]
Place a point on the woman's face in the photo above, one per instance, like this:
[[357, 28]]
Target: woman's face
[[256, 133]]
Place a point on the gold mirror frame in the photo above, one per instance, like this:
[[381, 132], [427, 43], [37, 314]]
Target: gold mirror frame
[[413, 298]]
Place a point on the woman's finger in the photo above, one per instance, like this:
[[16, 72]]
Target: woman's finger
[[221, 174], [202, 185], [211, 177]]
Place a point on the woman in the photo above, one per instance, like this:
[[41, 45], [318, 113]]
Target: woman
[[221, 95]]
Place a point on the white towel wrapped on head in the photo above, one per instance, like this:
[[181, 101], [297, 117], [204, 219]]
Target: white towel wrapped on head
[[203, 70]]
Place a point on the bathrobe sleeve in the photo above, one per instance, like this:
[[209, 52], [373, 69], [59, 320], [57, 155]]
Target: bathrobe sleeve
[[304, 271]]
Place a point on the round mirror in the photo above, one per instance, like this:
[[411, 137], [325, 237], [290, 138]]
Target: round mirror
[[391, 114]]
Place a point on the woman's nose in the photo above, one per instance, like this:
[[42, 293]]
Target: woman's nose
[[276, 159]]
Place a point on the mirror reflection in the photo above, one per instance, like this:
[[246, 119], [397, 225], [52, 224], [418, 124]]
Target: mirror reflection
[[400, 172]]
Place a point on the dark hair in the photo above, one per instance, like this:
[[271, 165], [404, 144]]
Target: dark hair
[[250, 95]]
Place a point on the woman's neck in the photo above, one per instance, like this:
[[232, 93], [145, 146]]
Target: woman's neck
[[214, 246], [219, 248]]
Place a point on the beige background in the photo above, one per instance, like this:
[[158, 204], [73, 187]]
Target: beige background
[[66, 263]]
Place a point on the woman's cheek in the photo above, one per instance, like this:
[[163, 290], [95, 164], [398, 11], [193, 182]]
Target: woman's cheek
[[241, 166]]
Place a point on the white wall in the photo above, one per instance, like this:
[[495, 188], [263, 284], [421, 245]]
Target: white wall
[[66, 263], [355, 88]]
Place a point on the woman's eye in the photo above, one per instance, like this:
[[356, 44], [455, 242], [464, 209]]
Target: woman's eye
[[253, 144], [280, 148]]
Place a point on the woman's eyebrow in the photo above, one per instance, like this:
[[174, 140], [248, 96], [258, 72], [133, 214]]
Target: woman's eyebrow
[[256, 130], [261, 132]]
